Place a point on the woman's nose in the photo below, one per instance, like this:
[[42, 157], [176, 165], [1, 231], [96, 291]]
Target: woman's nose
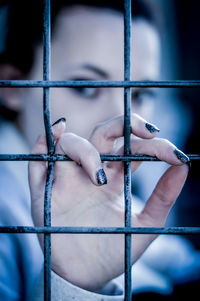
[[117, 101]]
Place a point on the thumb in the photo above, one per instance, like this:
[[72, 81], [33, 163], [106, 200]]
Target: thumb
[[164, 195]]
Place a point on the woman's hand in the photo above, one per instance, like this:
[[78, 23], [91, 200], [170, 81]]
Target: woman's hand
[[80, 199]]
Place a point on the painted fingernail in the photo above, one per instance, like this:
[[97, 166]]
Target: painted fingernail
[[101, 177], [152, 128], [181, 156], [63, 119]]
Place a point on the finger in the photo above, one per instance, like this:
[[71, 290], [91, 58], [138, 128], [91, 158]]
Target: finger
[[117, 166], [157, 147], [164, 196], [37, 169], [161, 148], [58, 127], [105, 134], [84, 154]]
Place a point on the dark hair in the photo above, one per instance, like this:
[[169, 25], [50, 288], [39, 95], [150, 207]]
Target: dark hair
[[25, 21]]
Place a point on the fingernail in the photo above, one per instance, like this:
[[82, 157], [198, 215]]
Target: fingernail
[[101, 177], [63, 119], [152, 128], [181, 156]]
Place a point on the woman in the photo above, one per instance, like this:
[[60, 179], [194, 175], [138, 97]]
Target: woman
[[87, 43]]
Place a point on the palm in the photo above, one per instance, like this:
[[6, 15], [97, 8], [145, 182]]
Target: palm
[[86, 205]]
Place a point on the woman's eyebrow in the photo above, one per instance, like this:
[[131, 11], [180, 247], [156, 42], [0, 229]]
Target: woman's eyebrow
[[96, 69]]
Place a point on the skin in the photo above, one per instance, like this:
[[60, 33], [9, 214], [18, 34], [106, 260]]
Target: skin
[[101, 48], [90, 261]]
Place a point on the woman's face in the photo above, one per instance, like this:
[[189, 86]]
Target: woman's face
[[87, 44]]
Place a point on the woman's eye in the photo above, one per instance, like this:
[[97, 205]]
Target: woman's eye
[[139, 96], [86, 92]]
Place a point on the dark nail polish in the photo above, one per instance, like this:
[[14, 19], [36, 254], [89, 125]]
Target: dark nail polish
[[181, 156], [151, 128], [63, 119], [101, 177]]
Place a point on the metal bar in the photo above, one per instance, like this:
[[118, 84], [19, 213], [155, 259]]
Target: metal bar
[[47, 236], [53, 158], [127, 149], [46, 84], [111, 84], [50, 145], [100, 230], [46, 75]]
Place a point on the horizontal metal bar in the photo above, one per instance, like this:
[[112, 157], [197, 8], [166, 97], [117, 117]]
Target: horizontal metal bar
[[88, 83], [101, 230], [53, 158]]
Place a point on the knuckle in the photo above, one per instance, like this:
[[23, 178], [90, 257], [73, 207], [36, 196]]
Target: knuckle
[[91, 153], [87, 145], [164, 141], [97, 131], [164, 199], [98, 127], [66, 137], [167, 144]]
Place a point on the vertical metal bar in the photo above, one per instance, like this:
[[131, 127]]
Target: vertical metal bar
[[46, 73], [127, 132], [50, 145], [47, 236]]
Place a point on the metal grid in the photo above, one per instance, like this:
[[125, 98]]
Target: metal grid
[[127, 84]]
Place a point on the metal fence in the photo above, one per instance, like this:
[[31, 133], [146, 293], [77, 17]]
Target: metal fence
[[51, 158]]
